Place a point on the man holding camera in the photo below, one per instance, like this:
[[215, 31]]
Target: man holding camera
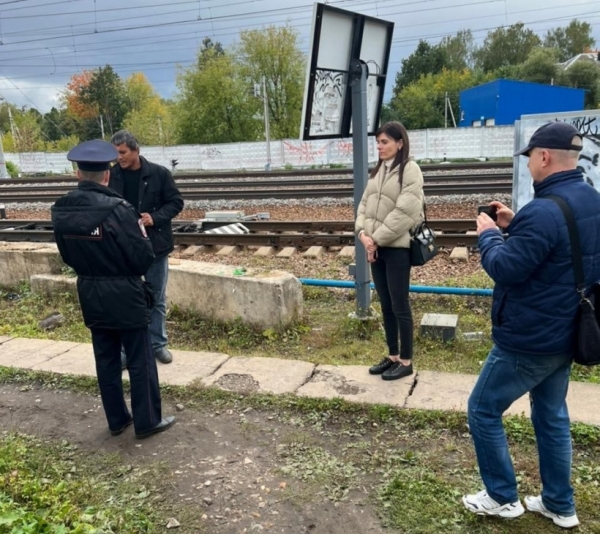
[[533, 327]]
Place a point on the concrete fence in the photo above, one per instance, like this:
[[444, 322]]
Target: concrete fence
[[450, 143]]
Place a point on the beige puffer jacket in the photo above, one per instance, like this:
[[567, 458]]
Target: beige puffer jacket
[[388, 214]]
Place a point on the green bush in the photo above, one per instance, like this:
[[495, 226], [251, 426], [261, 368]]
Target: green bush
[[12, 169]]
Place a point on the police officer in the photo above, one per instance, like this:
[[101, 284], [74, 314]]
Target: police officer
[[101, 236]]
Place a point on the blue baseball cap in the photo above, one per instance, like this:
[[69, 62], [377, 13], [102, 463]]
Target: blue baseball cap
[[93, 156], [554, 135]]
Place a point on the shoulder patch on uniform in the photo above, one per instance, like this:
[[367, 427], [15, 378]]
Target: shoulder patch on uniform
[[142, 228]]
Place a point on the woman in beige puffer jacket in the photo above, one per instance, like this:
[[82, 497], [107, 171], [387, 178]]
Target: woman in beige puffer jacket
[[392, 206]]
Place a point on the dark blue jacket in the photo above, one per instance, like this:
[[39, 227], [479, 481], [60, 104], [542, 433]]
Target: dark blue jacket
[[535, 298]]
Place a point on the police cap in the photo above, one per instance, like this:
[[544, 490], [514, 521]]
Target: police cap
[[93, 156]]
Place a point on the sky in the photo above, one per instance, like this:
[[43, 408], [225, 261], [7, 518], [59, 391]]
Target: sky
[[44, 42]]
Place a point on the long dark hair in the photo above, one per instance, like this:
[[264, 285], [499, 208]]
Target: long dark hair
[[394, 130]]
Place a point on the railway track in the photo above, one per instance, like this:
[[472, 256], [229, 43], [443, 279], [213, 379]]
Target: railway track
[[279, 174], [246, 191], [300, 234]]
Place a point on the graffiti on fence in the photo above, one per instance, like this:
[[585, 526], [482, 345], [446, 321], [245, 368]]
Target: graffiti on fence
[[211, 152], [304, 152]]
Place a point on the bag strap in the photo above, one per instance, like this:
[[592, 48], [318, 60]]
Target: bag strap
[[575, 242]]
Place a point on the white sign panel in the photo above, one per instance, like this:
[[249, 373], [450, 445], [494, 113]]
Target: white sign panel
[[588, 124]]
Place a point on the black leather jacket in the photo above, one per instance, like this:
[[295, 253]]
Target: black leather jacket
[[159, 197], [101, 237]]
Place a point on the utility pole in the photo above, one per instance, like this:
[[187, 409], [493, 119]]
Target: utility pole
[[102, 125], [446, 109], [3, 172], [160, 131], [267, 130], [13, 129]]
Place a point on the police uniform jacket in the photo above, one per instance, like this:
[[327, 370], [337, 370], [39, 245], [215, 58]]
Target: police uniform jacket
[[101, 237], [535, 298], [158, 196]]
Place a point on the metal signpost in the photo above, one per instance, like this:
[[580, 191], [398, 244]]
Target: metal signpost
[[348, 51]]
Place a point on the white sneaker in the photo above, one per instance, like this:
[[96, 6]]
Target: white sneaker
[[482, 504], [535, 504]]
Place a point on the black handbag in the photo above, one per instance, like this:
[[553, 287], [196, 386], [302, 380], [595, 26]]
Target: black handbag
[[587, 335], [422, 243]]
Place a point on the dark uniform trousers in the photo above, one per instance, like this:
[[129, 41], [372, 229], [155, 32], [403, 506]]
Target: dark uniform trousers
[[143, 376]]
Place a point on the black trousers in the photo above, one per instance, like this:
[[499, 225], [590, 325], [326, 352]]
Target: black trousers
[[391, 275], [143, 376]]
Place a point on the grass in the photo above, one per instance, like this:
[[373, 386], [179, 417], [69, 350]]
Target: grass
[[325, 335], [413, 466], [55, 488]]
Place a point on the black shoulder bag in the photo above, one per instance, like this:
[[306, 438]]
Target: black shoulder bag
[[587, 331], [422, 243]]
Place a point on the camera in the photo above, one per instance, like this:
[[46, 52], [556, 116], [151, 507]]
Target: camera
[[490, 211]]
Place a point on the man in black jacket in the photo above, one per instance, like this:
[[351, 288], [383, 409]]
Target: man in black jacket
[[151, 190], [102, 238]]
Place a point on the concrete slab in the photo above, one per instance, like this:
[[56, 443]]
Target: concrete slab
[[439, 326], [49, 284], [314, 252], [27, 353], [22, 260], [189, 366], [190, 251], [460, 254], [450, 391], [287, 252], [265, 251], [583, 401], [228, 250], [354, 383], [347, 252], [4, 339], [261, 375], [79, 360]]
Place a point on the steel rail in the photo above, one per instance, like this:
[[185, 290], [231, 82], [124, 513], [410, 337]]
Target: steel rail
[[208, 175], [256, 239], [299, 193], [315, 182], [184, 225]]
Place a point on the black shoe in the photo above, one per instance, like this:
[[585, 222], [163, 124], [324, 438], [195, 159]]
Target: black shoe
[[165, 424], [163, 355], [398, 370], [382, 366], [122, 429]]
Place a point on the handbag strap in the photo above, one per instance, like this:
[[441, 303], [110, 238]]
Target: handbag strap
[[575, 242]]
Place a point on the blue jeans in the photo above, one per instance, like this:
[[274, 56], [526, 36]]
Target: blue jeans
[[157, 276], [505, 377]]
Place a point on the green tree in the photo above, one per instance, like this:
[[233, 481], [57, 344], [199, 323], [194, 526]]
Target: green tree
[[585, 75], [426, 59], [27, 136], [275, 53], [505, 47], [541, 67], [459, 50], [570, 40], [214, 103], [150, 119], [421, 104], [106, 94]]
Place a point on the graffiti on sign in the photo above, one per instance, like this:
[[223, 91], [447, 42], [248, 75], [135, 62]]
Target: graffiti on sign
[[588, 162], [328, 103]]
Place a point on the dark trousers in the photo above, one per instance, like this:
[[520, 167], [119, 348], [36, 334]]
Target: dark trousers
[[143, 376], [391, 275]]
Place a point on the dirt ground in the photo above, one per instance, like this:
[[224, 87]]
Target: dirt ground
[[223, 465]]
